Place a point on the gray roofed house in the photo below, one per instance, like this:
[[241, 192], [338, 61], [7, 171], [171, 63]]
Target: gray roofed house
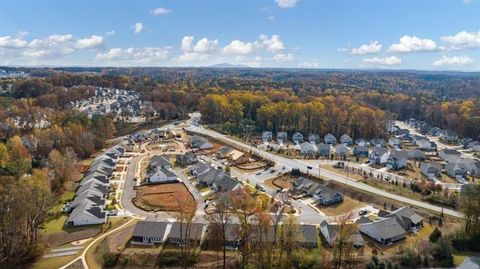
[[207, 145], [397, 159], [305, 186], [362, 142], [181, 233], [457, 170], [307, 149], [208, 177], [94, 187], [330, 139], [378, 155], [199, 168], [282, 137], [430, 170], [223, 152], [297, 137], [445, 154], [87, 197], [326, 195], [232, 235], [197, 141], [401, 132], [346, 140], [267, 136], [309, 236], [331, 231], [360, 151], [473, 167], [162, 175], [314, 138], [187, 159], [159, 161], [416, 154], [151, 232], [427, 145], [324, 150], [384, 231], [342, 150], [395, 142], [378, 142], [408, 219], [226, 184], [86, 214]]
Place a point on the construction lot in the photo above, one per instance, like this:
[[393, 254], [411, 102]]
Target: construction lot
[[164, 197]]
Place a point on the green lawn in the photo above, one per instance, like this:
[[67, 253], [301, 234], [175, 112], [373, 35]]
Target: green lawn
[[55, 225], [55, 262]]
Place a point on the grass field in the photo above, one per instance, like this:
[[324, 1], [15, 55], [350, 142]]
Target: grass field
[[55, 262], [346, 206], [163, 197]]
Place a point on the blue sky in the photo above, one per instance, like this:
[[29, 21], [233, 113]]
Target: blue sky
[[387, 34]]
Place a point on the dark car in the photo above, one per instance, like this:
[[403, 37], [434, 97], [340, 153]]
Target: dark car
[[260, 188]]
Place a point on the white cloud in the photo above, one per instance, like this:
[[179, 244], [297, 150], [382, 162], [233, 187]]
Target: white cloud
[[92, 42], [205, 45], [135, 56], [161, 11], [463, 40], [272, 44], [271, 17], [392, 60], [283, 57], [255, 62], [191, 57], [413, 44], [453, 61], [112, 32], [12, 42], [373, 47], [240, 48], [138, 27], [309, 65], [187, 43], [286, 3]]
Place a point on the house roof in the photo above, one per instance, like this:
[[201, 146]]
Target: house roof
[[226, 183], [326, 192], [387, 228], [309, 233], [195, 232], [399, 155], [345, 137], [160, 161], [405, 215], [379, 151], [324, 147], [146, 228]]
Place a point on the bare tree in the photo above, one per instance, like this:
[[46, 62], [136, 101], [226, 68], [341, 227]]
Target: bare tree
[[221, 218]]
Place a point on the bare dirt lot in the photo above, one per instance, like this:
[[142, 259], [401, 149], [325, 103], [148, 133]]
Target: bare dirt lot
[[163, 197]]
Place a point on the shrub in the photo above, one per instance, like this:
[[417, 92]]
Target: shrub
[[109, 259], [435, 235]]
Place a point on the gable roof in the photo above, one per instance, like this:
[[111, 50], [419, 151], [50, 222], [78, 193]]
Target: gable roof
[[146, 228], [386, 228]]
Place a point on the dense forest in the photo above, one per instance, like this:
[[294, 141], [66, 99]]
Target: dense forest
[[41, 139]]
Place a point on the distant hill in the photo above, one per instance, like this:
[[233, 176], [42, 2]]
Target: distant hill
[[227, 65]]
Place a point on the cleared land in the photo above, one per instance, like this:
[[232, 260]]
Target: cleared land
[[348, 205], [164, 197]]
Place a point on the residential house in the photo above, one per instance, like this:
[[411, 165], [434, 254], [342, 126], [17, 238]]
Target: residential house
[[391, 127], [346, 140], [450, 136], [226, 184], [324, 150], [297, 138], [435, 131], [378, 155], [378, 142], [162, 175], [151, 232], [309, 237], [362, 142], [307, 149], [159, 162], [401, 132], [305, 186], [282, 137], [223, 152], [232, 235], [267, 136], [446, 154], [360, 151], [199, 168], [330, 139], [407, 218], [327, 196], [457, 170], [397, 159], [385, 230], [197, 141], [427, 145], [342, 151], [187, 159], [206, 146], [473, 167], [314, 139], [395, 142], [330, 233], [430, 170], [183, 233], [416, 155], [208, 177], [86, 214]]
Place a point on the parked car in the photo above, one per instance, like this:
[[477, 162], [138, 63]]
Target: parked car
[[260, 188], [309, 167], [339, 165], [112, 213], [258, 173], [362, 212], [272, 171]]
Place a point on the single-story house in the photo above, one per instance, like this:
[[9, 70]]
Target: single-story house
[[385, 230], [151, 232], [427, 145], [408, 219], [397, 159], [206, 146], [181, 233], [226, 184], [223, 152], [208, 177], [159, 161], [457, 170], [197, 141], [187, 159], [395, 142], [342, 150], [346, 140], [309, 236], [430, 170], [86, 214], [378, 155], [330, 233], [305, 186], [330, 139], [360, 151], [401, 132], [473, 167], [297, 138], [232, 235]]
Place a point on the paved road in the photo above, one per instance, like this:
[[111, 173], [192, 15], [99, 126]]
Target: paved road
[[290, 164]]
